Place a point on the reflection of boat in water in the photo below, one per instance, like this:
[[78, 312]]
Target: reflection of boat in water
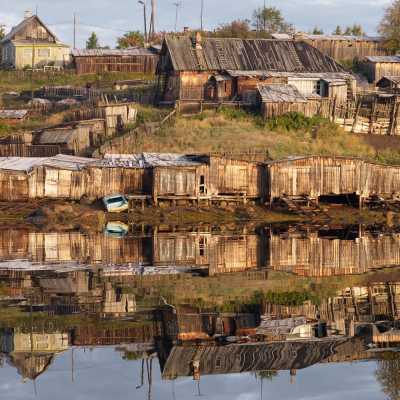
[[116, 229]]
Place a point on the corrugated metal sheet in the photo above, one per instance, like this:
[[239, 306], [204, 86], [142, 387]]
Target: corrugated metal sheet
[[278, 93], [148, 160], [26, 164], [351, 38], [13, 114], [247, 55]]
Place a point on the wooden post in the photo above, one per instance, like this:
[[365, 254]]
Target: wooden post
[[358, 108], [393, 117], [372, 116]]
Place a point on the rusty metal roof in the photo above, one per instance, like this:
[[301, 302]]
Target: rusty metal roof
[[280, 93], [246, 55]]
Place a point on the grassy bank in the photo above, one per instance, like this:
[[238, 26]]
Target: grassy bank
[[239, 131]]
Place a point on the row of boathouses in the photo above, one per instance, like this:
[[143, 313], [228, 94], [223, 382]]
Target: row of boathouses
[[175, 177]]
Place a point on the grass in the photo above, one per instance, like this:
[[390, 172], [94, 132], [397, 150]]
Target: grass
[[238, 131]]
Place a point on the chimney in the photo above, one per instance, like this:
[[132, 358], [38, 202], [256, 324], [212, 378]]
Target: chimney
[[27, 14]]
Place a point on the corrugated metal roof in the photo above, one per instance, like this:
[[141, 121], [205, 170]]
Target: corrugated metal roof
[[61, 161], [307, 36], [383, 59], [132, 51], [280, 93], [247, 55], [148, 160], [13, 114]]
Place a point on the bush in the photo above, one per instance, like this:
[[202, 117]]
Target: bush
[[294, 121], [233, 113], [290, 298]]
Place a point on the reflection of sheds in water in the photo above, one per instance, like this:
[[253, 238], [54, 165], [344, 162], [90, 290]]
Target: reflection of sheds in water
[[252, 357], [313, 255]]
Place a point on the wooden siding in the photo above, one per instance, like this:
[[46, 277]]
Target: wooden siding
[[348, 50], [375, 71], [145, 64]]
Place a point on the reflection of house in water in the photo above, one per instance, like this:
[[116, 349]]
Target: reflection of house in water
[[249, 357], [31, 352], [329, 253]]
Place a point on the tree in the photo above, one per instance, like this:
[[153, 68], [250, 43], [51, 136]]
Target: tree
[[130, 39], [337, 31], [388, 375], [347, 31], [389, 27], [357, 30], [2, 31], [237, 29], [317, 31], [93, 42], [271, 20]]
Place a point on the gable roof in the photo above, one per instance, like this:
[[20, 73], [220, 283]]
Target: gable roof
[[247, 55], [280, 93], [16, 29]]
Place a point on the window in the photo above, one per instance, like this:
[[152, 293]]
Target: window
[[44, 53], [202, 246], [203, 184], [28, 52]]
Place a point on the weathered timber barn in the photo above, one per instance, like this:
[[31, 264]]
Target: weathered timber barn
[[323, 176], [375, 67], [216, 70], [22, 179], [345, 47], [135, 59], [79, 138]]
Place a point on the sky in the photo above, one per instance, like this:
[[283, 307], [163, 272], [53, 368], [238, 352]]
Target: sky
[[112, 18], [101, 374]]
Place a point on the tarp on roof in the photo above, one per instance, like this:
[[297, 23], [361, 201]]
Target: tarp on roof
[[219, 54], [280, 93], [149, 160]]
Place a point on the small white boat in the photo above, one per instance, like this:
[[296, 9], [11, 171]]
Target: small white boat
[[116, 203]]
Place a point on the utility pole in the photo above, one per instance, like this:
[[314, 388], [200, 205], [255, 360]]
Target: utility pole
[[264, 17], [202, 16], [74, 31], [143, 3], [177, 5], [152, 29]]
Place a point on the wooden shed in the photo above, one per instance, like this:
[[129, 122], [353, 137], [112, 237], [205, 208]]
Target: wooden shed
[[345, 47], [314, 176], [135, 59], [375, 68]]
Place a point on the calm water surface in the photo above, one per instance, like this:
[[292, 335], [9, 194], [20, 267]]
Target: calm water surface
[[236, 313]]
